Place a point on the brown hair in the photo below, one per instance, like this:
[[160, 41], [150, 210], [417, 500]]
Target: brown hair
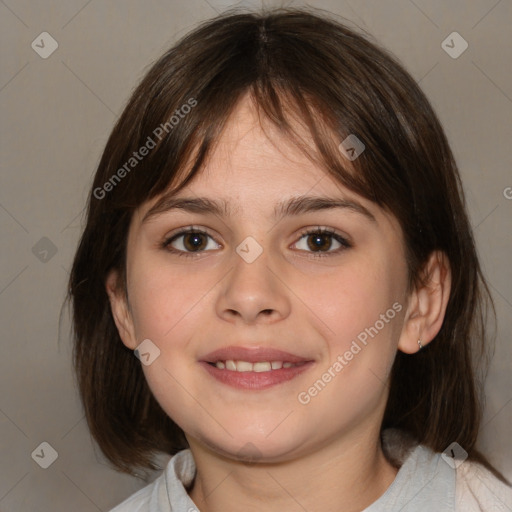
[[294, 63]]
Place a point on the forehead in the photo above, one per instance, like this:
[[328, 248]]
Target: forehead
[[254, 158], [256, 172]]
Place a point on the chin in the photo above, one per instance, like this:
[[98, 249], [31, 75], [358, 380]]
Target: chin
[[252, 448]]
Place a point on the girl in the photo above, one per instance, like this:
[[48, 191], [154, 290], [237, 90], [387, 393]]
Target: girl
[[278, 286]]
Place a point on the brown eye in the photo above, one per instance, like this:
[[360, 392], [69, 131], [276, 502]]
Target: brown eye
[[322, 241], [190, 241], [319, 241], [194, 241]]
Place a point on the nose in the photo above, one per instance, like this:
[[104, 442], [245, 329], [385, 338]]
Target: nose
[[252, 293]]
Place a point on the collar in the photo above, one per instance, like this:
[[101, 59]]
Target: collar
[[424, 482]]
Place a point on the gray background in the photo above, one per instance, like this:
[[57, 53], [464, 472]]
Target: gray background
[[56, 116]]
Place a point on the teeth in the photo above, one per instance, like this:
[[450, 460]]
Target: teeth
[[260, 366], [243, 366]]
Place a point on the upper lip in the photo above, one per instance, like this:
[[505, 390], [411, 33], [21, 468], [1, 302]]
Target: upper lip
[[252, 355]]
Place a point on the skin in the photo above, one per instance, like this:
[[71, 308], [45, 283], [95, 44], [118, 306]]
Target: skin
[[325, 455]]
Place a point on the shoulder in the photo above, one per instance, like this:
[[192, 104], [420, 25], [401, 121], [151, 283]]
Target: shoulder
[[167, 492], [143, 499], [465, 486], [477, 489], [137, 502]]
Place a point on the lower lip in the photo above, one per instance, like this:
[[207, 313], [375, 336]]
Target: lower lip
[[255, 380]]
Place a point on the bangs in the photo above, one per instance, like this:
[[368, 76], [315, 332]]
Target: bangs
[[175, 163], [317, 99]]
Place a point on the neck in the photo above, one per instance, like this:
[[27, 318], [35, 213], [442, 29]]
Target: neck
[[344, 475]]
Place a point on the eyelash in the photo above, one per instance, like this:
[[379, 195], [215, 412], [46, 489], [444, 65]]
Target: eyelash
[[345, 244]]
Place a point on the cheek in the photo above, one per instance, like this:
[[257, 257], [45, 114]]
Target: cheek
[[352, 298], [367, 322], [167, 308], [165, 300], [168, 304], [363, 311], [169, 382]]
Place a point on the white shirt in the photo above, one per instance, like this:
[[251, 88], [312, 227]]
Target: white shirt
[[425, 482]]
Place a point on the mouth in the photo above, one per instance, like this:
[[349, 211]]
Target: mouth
[[254, 368], [258, 367]]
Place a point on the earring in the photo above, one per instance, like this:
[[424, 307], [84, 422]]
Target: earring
[[419, 343]]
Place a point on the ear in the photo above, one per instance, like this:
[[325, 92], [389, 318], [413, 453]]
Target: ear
[[120, 310], [427, 304]]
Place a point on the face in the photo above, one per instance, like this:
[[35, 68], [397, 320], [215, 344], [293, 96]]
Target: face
[[277, 316]]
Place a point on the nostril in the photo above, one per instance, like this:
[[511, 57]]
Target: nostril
[[267, 311]]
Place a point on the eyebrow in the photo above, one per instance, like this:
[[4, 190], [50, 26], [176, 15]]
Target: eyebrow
[[294, 206]]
